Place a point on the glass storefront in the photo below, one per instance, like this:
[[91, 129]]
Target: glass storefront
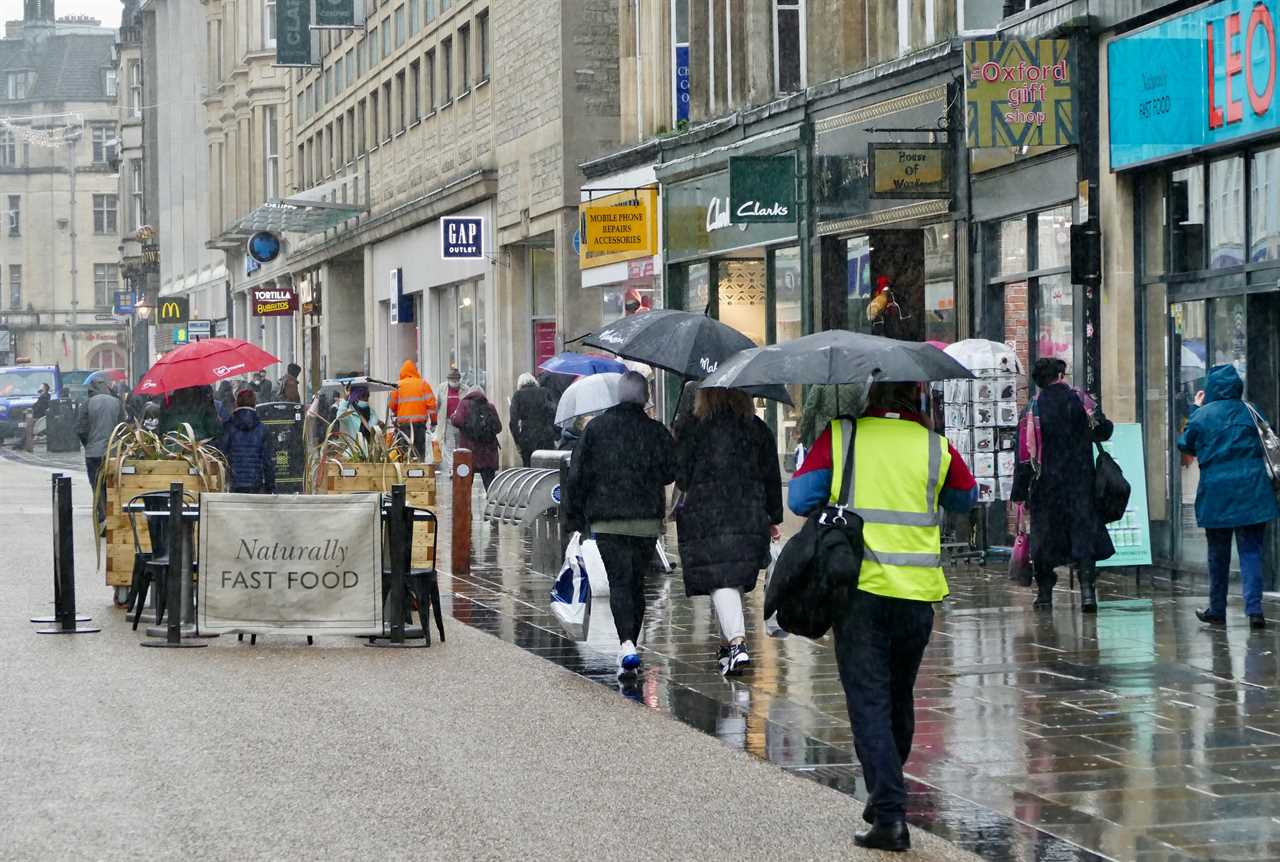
[[902, 283], [460, 331]]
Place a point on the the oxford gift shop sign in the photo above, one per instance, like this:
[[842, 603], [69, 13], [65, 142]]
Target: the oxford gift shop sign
[[1202, 78]]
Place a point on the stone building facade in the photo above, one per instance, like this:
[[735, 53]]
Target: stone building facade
[[59, 243]]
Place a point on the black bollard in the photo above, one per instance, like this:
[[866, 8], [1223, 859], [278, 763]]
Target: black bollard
[[64, 566], [398, 530], [177, 571]]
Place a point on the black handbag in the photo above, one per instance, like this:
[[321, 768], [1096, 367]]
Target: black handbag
[[1110, 488], [817, 569]]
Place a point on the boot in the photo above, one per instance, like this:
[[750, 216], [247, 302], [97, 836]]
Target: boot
[[1088, 588], [1045, 582]]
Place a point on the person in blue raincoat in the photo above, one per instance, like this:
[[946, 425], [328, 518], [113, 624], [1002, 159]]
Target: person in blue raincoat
[[1234, 495]]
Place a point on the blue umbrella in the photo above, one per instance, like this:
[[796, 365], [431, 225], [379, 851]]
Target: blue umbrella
[[582, 364]]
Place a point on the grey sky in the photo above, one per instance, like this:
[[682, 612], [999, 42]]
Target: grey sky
[[106, 11]]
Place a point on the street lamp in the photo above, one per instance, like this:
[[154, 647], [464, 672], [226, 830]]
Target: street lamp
[[142, 311]]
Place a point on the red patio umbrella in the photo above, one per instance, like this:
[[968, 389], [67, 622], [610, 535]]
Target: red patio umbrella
[[203, 363]]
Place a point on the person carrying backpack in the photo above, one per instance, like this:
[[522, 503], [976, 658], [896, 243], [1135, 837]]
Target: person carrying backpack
[[478, 427]]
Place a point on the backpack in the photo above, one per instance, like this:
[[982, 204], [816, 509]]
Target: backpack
[[1110, 488], [483, 424]]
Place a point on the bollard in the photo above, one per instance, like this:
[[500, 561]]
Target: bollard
[[398, 530], [177, 571], [461, 511], [64, 566]]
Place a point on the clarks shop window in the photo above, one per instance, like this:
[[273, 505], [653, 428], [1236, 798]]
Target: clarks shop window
[[901, 283]]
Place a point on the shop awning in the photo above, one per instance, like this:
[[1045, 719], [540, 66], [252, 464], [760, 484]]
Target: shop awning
[[312, 211]]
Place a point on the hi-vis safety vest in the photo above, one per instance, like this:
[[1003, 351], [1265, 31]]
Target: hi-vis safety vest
[[899, 468]]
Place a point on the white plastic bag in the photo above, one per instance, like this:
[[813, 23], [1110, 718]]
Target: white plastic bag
[[771, 624], [571, 595], [596, 571]]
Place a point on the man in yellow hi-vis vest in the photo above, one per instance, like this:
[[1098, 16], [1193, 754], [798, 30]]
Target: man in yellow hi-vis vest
[[904, 476]]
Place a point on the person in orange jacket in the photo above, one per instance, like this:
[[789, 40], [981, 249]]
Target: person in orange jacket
[[414, 406]]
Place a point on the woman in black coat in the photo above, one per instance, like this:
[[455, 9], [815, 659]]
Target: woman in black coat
[[532, 418], [1065, 525], [727, 467]]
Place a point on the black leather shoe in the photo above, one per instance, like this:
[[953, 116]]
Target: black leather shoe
[[1257, 621], [1206, 616], [893, 837]]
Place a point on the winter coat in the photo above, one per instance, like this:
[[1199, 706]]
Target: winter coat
[[484, 456], [620, 468], [250, 451], [533, 415], [192, 406], [414, 401], [289, 390], [98, 418], [727, 466], [1234, 489], [1065, 526]]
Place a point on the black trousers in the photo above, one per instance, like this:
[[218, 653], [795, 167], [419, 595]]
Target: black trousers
[[486, 476], [93, 466], [418, 436], [627, 559], [880, 643]]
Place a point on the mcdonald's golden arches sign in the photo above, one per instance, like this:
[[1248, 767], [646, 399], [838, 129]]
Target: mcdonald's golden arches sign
[[173, 309]]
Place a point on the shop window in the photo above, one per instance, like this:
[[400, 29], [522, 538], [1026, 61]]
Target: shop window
[[1226, 212], [788, 316], [1053, 238], [1264, 206], [887, 293], [740, 297], [542, 301], [1189, 350], [788, 45], [1229, 338], [940, 283], [1155, 422], [1055, 321], [697, 292], [1186, 219], [1013, 246], [1153, 190]]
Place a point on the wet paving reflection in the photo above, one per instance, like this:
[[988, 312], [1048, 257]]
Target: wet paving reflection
[[1136, 734]]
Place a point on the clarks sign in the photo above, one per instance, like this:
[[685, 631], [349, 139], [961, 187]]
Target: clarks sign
[[762, 189]]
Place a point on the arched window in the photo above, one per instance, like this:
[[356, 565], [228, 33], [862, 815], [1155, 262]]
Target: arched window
[[107, 356]]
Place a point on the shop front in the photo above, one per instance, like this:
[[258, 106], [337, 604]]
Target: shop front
[[619, 243], [744, 273], [883, 174], [1198, 141]]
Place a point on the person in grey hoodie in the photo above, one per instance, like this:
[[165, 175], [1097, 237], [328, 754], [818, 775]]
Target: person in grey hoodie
[[98, 418]]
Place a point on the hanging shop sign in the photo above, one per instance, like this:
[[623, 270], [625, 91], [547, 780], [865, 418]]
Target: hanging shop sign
[[699, 224], [401, 306], [462, 237], [910, 170], [273, 301], [311, 567], [1199, 79], [124, 303], [174, 309], [336, 13], [293, 33], [1019, 93], [618, 227], [762, 189], [263, 247]]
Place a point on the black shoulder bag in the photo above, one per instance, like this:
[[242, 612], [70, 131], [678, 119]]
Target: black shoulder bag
[[818, 567]]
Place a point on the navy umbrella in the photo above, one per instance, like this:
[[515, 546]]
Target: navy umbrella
[[837, 356], [687, 343]]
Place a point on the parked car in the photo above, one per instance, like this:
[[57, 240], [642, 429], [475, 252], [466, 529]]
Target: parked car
[[19, 388]]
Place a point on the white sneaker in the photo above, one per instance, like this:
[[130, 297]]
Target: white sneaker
[[628, 659]]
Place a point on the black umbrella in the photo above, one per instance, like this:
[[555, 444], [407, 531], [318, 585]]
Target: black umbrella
[[836, 356], [687, 343]]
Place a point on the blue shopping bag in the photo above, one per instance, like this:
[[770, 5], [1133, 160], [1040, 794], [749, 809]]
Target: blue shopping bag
[[571, 595]]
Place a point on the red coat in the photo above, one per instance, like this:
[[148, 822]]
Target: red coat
[[484, 455]]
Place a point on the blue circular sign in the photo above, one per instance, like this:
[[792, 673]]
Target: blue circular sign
[[555, 494], [264, 246]]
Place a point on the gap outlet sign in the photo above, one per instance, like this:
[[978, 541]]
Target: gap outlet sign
[[1199, 79], [462, 237]]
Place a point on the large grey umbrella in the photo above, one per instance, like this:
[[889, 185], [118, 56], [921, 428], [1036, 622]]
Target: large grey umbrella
[[836, 356]]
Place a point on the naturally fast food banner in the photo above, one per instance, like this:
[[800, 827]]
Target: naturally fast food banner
[[295, 564], [1205, 77]]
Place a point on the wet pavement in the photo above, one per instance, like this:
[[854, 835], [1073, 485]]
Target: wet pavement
[[1136, 734]]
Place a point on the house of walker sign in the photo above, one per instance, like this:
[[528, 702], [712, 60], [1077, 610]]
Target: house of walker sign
[[313, 566]]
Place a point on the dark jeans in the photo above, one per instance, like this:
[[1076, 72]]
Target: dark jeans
[[418, 437], [1249, 545], [879, 645], [94, 466], [626, 559]]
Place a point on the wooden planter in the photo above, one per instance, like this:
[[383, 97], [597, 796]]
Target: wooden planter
[[134, 478], [420, 486]]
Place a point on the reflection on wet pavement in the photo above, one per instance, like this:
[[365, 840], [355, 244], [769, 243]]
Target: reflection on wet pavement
[[1136, 734]]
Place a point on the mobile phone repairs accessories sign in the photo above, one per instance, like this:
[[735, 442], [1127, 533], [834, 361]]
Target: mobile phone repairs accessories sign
[[295, 564]]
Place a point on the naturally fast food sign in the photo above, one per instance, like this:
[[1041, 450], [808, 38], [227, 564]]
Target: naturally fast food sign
[[1195, 80]]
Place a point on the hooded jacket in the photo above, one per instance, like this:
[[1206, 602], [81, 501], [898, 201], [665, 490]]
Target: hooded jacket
[[533, 414], [484, 454], [191, 406], [250, 451], [98, 418], [1234, 488], [413, 402]]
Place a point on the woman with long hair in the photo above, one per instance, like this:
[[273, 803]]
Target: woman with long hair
[[727, 467]]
